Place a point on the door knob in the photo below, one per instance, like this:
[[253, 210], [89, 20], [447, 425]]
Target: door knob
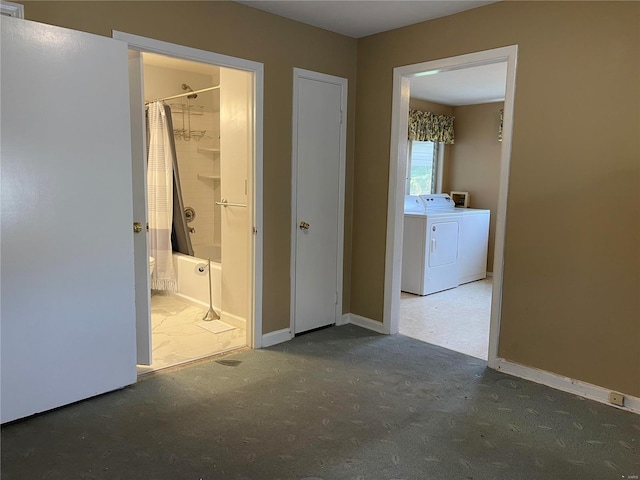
[[304, 226], [137, 227]]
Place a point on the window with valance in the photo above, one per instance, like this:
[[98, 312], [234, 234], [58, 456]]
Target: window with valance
[[430, 127]]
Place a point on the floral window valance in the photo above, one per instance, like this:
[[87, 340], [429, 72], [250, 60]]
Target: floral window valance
[[430, 127]]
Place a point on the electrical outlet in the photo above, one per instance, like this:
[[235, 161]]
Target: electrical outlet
[[616, 398]]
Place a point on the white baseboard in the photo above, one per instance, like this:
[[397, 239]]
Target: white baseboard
[[234, 320], [273, 338], [343, 320], [566, 384], [365, 322]]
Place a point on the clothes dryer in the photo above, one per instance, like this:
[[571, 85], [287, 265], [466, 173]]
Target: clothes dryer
[[430, 244]]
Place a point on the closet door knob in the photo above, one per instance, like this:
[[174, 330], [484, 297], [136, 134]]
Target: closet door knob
[[304, 226], [137, 227]]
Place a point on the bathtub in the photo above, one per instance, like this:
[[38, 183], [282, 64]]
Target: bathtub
[[193, 280]]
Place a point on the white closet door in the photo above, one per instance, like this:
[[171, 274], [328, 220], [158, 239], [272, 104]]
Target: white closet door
[[68, 313], [319, 148]]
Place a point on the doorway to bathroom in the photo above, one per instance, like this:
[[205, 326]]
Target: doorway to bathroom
[[196, 135]]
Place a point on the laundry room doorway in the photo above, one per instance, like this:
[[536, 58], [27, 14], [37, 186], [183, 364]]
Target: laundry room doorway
[[463, 315]]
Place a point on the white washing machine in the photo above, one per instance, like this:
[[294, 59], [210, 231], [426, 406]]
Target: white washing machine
[[430, 244], [473, 244], [442, 246]]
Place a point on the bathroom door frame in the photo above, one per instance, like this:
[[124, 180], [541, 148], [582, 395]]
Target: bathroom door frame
[[149, 45]]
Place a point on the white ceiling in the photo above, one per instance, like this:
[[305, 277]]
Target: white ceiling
[[468, 86], [359, 18]]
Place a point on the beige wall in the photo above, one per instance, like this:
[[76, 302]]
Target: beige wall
[[427, 106], [474, 160], [233, 29], [571, 299]]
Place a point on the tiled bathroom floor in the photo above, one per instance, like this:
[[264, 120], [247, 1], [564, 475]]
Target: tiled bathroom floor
[[176, 337], [457, 319]]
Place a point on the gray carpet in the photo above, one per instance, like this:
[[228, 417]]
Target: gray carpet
[[340, 403]]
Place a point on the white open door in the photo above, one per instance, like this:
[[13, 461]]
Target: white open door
[[319, 151], [67, 307], [236, 134]]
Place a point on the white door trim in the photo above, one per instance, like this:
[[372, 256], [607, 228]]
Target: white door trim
[[299, 73], [143, 44], [12, 9], [395, 212], [144, 347]]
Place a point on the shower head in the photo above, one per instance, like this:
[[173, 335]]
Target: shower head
[[189, 89]]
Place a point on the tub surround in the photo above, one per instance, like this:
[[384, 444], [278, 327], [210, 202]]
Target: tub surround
[[205, 251]]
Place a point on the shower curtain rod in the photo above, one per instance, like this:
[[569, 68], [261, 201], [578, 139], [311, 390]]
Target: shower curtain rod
[[186, 94]]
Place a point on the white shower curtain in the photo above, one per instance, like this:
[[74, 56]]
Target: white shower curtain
[[160, 198]]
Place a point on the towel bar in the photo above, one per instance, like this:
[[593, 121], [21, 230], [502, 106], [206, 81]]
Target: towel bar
[[224, 203]]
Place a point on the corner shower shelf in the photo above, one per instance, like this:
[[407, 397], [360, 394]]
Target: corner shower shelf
[[208, 150], [208, 177]]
